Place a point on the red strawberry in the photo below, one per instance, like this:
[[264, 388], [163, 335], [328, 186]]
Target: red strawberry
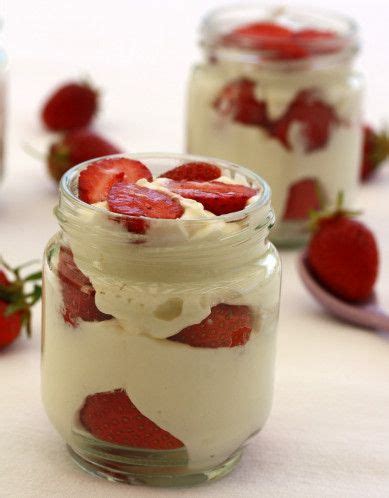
[[195, 171], [226, 327], [315, 116], [375, 151], [96, 180], [72, 105], [219, 198], [304, 196], [268, 37], [3, 278], [238, 102], [318, 41], [259, 36], [16, 303], [343, 256], [77, 292], [135, 201], [112, 417], [10, 326], [75, 147]]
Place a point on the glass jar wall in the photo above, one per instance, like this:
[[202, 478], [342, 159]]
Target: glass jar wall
[[158, 344]]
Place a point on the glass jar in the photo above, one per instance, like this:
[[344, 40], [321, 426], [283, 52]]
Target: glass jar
[[289, 109], [121, 362]]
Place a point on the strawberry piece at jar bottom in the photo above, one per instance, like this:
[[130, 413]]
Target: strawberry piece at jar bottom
[[227, 326], [111, 416], [78, 294]]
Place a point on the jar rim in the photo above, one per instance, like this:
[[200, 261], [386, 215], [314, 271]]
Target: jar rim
[[69, 180], [220, 22]]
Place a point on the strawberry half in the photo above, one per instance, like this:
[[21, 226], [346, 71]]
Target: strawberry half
[[216, 197], [237, 101], [78, 293], [375, 151], [227, 326], [96, 180], [343, 255], [137, 201], [304, 197], [71, 106], [75, 147], [315, 117], [112, 417], [194, 171]]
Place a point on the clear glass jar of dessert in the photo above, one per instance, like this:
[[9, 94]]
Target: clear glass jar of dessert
[[277, 93], [158, 334]]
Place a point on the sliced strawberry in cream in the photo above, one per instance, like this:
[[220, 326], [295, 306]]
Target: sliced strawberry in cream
[[194, 171], [136, 201], [217, 197], [96, 180]]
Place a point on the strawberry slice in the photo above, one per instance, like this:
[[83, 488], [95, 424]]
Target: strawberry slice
[[194, 171], [259, 36], [216, 197], [112, 417], [315, 116], [96, 180], [303, 197], [281, 43], [226, 327], [269, 37], [77, 292], [319, 41], [237, 101], [135, 201]]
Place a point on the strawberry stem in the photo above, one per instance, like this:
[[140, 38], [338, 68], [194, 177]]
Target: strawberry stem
[[316, 217]]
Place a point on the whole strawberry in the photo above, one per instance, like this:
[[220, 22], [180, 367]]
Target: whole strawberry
[[74, 148], [16, 302], [375, 151], [343, 255], [72, 105]]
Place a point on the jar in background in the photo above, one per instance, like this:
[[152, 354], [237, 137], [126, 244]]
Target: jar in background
[[277, 92], [132, 399]]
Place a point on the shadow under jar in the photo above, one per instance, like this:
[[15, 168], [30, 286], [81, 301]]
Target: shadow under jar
[[277, 93], [132, 399]]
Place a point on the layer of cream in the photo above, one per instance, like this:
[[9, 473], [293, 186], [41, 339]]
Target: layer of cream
[[160, 294], [211, 399], [336, 167]]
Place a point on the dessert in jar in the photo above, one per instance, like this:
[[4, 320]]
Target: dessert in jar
[[277, 93], [161, 295]]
